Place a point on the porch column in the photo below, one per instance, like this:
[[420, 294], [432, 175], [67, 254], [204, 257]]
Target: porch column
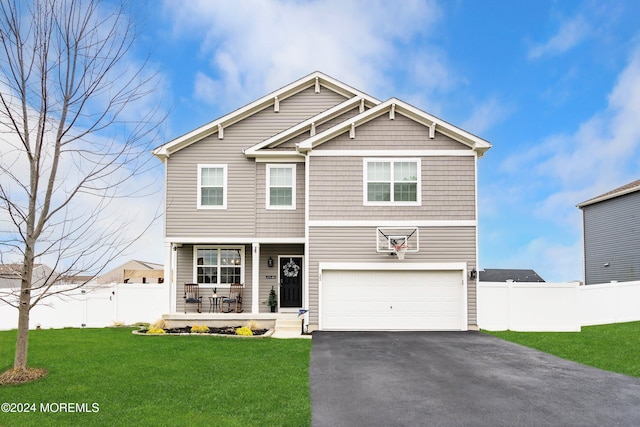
[[169, 261], [255, 278]]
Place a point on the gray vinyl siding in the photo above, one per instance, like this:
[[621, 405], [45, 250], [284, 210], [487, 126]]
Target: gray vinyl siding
[[239, 219], [612, 235], [185, 273], [383, 134], [358, 244], [269, 275], [279, 222], [337, 190]]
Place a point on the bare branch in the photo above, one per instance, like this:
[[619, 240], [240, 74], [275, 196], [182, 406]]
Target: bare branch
[[72, 140]]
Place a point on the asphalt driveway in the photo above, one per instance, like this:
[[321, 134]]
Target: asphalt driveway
[[459, 379]]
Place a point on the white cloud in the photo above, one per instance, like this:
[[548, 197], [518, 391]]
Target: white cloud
[[601, 154], [569, 35], [255, 47], [486, 115]]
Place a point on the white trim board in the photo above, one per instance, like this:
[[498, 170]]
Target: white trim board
[[393, 153], [387, 223]]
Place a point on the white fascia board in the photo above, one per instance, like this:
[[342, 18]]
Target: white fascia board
[[476, 143], [255, 106], [289, 157], [187, 240], [394, 223], [306, 125], [394, 153], [343, 127], [608, 196]]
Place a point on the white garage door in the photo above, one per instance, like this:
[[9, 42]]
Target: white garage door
[[392, 300]]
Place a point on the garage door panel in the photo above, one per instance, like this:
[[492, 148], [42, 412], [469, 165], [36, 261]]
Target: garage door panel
[[392, 300]]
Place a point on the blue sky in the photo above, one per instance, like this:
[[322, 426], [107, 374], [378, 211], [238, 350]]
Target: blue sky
[[553, 85]]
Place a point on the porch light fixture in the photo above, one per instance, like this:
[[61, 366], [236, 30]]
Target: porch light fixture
[[473, 274], [270, 262]]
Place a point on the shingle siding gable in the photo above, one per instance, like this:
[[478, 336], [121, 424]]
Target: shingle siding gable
[[400, 133]]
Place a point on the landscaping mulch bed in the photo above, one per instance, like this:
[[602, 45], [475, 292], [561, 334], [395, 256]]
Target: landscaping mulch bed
[[227, 330]]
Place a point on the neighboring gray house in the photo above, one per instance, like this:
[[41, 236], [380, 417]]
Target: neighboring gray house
[[611, 235], [508, 275], [10, 275], [308, 189]]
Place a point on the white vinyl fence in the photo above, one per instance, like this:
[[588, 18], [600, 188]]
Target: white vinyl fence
[[555, 307], [95, 307]]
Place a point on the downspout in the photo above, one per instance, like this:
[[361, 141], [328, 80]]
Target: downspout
[[305, 276]]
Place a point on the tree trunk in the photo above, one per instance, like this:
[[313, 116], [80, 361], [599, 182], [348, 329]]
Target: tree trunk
[[22, 343], [24, 308]]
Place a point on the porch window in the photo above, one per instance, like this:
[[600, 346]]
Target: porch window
[[281, 186], [392, 182], [219, 266], [212, 186]]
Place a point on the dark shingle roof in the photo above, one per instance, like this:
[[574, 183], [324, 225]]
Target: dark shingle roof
[[503, 275]]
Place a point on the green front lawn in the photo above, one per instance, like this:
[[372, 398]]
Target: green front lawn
[[156, 381], [611, 347]]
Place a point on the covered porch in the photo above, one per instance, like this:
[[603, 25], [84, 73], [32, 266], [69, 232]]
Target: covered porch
[[258, 266]]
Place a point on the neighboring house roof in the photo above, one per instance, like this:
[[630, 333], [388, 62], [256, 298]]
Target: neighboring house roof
[[620, 191], [506, 275], [274, 98], [132, 269], [11, 270], [11, 274]]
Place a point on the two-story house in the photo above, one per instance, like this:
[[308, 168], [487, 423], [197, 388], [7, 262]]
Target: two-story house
[[362, 212], [611, 235]]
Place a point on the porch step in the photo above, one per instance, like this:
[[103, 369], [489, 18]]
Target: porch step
[[289, 327]]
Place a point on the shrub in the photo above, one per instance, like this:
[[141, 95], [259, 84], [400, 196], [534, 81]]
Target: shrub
[[244, 331], [159, 324], [199, 329], [253, 325], [156, 331]]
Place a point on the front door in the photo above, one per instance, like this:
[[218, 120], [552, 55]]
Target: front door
[[291, 282]]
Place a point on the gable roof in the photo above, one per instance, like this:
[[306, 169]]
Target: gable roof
[[620, 191], [511, 274], [392, 106], [316, 79], [306, 125]]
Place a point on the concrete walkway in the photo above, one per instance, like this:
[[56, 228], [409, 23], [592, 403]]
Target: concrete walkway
[[459, 379]]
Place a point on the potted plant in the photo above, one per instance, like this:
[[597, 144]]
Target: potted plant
[[273, 300], [215, 292]]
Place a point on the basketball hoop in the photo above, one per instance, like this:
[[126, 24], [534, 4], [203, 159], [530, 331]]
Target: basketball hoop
[[401, 249]]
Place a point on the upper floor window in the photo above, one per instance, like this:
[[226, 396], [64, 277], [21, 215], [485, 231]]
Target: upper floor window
[[281, 186], [392, 182], [212, 186], [218, 265]]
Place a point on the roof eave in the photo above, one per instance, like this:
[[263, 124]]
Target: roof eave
[[608, 197], [315, 78], [474, 142]]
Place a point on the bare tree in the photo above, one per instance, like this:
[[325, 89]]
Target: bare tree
[[76, 127]]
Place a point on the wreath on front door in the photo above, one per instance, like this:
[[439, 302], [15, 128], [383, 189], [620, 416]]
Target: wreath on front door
[[290, 269]]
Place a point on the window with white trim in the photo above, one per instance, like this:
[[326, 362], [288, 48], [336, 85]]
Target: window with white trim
[[218, 266], [392, 182], [281, 186], [212, 186]]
